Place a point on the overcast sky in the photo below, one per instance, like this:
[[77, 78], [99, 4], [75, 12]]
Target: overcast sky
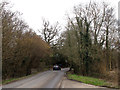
[[52, 10]]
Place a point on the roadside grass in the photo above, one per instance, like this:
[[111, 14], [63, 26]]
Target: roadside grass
[[0, 81], [19, 78], [16, 79], [88, 80], [10, 80]]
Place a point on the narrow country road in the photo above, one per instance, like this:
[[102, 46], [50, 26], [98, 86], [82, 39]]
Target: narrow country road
[[48, 79]]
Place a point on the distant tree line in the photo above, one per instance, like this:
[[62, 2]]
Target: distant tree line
[[50, 34]]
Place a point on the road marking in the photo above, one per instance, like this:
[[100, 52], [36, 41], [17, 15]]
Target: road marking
[[62, 86]]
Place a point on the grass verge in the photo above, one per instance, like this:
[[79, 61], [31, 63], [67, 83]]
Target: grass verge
[[91, 80], [87, 80], [20, 78], [16, 79]]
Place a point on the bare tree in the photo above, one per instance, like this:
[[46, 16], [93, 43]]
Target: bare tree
[[22, 49], [88, 35], [49, 32]]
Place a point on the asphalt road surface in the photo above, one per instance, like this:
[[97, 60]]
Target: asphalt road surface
[[47, 79]]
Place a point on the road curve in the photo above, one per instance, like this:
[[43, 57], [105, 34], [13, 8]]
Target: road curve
[[47, 79]]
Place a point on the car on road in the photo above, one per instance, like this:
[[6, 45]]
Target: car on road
[[56, 67]]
